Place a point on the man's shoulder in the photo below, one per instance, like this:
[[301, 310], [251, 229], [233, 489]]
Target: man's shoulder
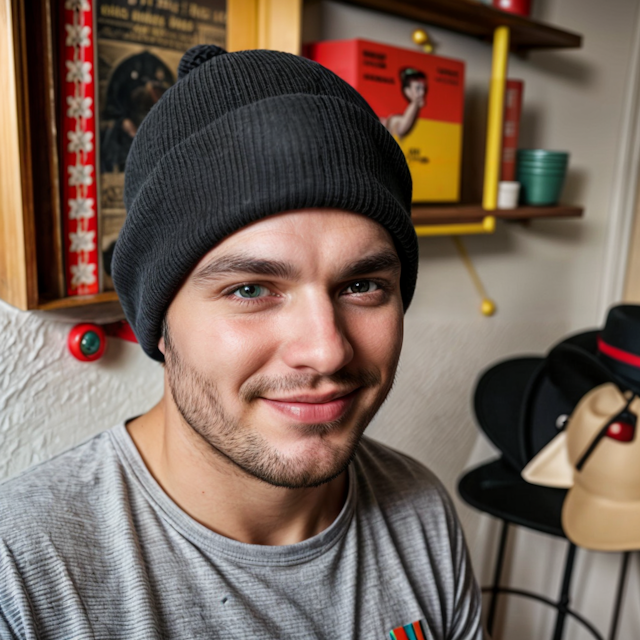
[[394, 467], [59, 490], [398, 480]]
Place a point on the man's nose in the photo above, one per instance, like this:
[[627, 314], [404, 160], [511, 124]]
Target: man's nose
[[315, 337]]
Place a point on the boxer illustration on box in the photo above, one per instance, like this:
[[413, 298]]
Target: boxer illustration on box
[[414, 88]]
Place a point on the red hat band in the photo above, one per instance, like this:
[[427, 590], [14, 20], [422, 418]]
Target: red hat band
[[620, 355]]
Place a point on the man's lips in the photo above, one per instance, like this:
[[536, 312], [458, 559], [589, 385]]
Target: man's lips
[[311, 408]]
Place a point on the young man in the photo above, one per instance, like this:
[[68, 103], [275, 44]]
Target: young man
[[267, 259]]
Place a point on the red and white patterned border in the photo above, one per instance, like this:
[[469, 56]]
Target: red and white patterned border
[[78, 155]]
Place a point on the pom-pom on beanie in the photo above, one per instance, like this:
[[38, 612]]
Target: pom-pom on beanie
[[239, 137]]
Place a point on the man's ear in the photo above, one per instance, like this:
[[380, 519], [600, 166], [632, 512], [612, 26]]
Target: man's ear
[[164, 331]]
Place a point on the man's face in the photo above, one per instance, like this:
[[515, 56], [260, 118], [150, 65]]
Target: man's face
[[283, 343]]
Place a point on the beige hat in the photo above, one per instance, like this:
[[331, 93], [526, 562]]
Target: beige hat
[[598, 457], [551, 467]]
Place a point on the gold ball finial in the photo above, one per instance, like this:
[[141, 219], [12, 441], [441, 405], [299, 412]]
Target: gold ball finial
[[419, 36], [488, 307]]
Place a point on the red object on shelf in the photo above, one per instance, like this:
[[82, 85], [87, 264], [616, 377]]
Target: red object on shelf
[[78, 148], [521, 7], [511, 128], [87, 342]]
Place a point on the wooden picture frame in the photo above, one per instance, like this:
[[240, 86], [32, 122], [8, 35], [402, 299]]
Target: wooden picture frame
[[31, 255], [30, 250]]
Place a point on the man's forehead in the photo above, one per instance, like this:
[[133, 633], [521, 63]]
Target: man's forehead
[[288, 245], [303, 237]]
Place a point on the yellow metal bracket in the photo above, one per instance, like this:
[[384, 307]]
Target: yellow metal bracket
[[488, 225]]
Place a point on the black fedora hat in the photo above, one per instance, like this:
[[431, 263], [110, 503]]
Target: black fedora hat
[[521, 403], [616, 357], [520, 408]]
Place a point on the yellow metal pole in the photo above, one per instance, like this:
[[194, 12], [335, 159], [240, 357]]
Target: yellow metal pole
[[494, 120]]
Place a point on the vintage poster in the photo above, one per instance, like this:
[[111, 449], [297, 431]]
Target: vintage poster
[[140, 43]]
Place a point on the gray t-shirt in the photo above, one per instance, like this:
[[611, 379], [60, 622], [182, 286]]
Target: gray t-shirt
[[92, 548]]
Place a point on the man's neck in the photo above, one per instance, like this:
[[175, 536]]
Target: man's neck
[[220, 495]]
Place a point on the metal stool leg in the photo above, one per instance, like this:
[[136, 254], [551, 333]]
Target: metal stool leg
[[618, 603], [496, 576], [563, 602]]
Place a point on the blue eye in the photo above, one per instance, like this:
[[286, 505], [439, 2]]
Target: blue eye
[[248, 291], [362, 286]]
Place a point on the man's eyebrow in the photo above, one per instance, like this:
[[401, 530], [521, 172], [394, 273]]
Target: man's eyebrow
[[386, 260], [228, 265]]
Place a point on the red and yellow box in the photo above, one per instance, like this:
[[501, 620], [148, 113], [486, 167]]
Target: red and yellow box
[[418, 97]]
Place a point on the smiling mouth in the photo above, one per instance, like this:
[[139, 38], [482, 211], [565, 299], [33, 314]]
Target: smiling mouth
[[310, 409]]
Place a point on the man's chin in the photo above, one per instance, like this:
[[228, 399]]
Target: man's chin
[[310, 463], [302, 477]]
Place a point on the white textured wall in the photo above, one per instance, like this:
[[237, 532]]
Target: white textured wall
[[545, 279], [50, 401]]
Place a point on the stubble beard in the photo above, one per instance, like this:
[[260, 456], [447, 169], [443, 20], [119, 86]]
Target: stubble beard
[[198, 402]]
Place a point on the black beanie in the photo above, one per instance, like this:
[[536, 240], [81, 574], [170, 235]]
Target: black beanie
[[239, 137]]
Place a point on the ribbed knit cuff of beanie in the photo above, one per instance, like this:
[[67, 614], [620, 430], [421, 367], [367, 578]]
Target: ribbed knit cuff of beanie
[[239, 137]]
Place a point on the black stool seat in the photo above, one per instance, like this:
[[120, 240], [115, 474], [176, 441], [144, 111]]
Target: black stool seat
[[496, 488]]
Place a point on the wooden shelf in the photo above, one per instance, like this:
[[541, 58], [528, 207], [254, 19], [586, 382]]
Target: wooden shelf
[[101, 308], [78, 301], [465, 213], [477, 20]]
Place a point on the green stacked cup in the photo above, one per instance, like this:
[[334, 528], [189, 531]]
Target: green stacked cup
[[541, 175]]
